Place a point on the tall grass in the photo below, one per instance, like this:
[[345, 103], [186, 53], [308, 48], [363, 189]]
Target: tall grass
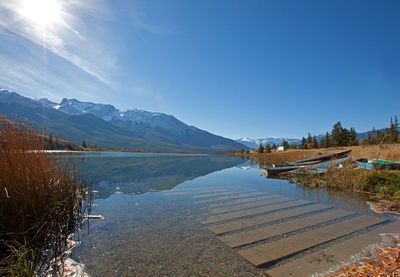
[[23, 261], [41, 200], [385, 152], [384, 184]]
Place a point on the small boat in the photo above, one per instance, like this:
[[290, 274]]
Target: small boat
[[321, 167], [313, 165], [326, 157], [295, 163], [272, 171], [316, 159], [377, 164]]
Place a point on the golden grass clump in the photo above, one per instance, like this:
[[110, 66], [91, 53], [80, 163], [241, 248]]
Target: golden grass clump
[[382, 183], [42, 201]]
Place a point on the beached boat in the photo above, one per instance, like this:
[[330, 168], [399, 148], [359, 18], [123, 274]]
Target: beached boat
[[295, 164], [313, 165], [316, 159], [326, 157], [273, 171], [377, 164], [321, 167]]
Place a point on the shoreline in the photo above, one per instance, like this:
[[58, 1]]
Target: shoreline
[[380, 184], [129, 151]]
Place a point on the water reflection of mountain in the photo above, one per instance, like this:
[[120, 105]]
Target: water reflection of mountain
[[135, 175]]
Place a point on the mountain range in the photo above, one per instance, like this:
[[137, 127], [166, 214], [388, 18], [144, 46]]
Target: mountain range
[[111, 174], [108, 127], [254, 143]]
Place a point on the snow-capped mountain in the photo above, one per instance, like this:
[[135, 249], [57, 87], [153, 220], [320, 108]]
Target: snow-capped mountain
[[8, 97], [46, 102], [254, 143], [110, 113], [106, 126], [75, 107]]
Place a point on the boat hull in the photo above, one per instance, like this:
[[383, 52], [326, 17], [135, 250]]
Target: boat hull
[[321, 167], [326, 157], [377, 164], [272, 171]]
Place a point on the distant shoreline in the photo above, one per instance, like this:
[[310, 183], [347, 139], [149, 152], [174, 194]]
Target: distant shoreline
[[129, 151]]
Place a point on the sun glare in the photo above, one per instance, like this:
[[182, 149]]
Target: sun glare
[[41, 12]]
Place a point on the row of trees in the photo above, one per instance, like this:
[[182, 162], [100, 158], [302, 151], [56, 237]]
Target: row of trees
[[267, 149], [340, 136], [388, 135], [85, 145]]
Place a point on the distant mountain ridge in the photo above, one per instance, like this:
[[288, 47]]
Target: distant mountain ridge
[[109, 127], [255, 143]]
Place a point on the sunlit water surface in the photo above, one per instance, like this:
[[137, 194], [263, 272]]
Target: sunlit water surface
[[149, 230]]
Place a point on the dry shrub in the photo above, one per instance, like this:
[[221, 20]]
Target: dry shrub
[[41, 200]]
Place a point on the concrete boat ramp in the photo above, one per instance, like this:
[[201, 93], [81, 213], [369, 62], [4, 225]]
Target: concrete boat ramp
[[286, 236]]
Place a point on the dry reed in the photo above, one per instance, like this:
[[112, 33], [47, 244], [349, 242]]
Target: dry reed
[[41, 200], [384, 184]]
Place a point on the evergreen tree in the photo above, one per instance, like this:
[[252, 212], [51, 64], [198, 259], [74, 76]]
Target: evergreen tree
[[387, 135], [392, 130], [352, 137], [293, 145], [242, 150], [84, 145], [321, 143], [378, 136], [267, 148], [396, 129], [314, 142], [260, 148], [337, 132], [285, 145], [369, 138], [375, 135], [327, 140], [345, 137], [309, 139], [303, 143], [274, 147]]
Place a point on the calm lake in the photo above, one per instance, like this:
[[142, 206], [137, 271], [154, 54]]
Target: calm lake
[[212, 215]]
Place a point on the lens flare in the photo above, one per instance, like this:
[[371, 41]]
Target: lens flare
[[41, 12]]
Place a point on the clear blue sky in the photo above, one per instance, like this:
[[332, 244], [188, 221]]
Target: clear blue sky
[[234, 68]]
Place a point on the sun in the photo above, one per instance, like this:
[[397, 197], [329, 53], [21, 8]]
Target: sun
[[41, 12]]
